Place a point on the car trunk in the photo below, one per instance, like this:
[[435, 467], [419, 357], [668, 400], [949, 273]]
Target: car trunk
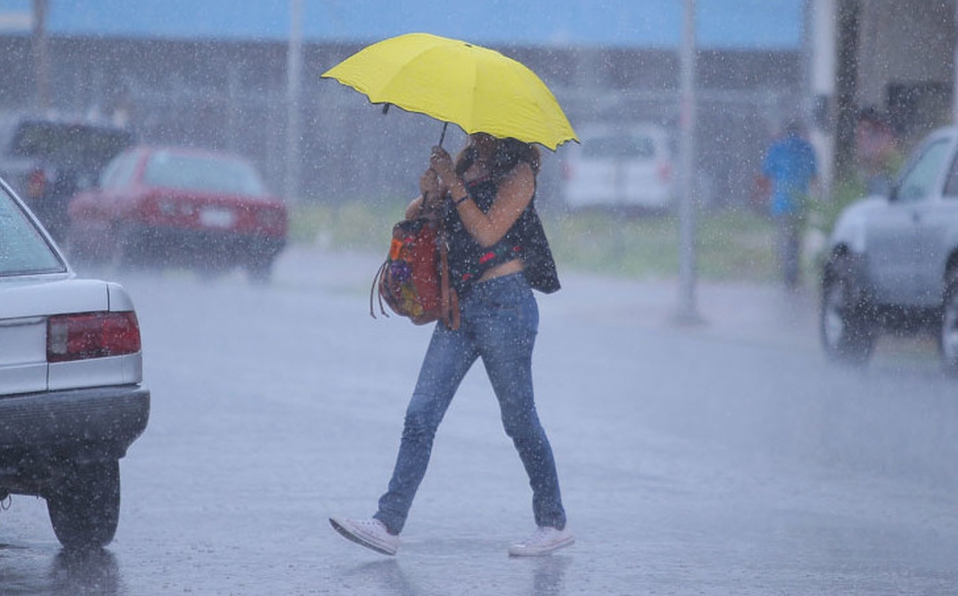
[[23, 330]]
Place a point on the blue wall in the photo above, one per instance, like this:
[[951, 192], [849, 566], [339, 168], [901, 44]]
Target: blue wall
[[746, 24]]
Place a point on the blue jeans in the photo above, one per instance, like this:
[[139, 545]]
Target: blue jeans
[[789, 239], [500, 320]]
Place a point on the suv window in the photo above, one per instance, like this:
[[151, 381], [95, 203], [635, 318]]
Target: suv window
[[23, 249], [619, 147], [79, 145], [951, 185], [920, 180]]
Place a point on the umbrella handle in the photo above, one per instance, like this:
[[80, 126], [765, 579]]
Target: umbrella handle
[[444, 124]]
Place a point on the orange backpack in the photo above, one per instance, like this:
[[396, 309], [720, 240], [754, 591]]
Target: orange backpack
[[414, 279]]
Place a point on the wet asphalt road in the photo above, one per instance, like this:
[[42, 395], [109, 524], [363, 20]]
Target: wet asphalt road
[[723, 458]]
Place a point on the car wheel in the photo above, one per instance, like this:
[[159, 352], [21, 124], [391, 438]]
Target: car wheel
[[847, 334], [85, 506], [120, 255], [948, 336], [211, 267], [259, 269], [130, 250]]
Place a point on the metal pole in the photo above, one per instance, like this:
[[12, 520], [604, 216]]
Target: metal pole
[[40, 57], [821, 38], [294, 60], [687, 312], [954, 84]]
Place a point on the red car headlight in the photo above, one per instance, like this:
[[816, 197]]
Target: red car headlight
[[92, 335]]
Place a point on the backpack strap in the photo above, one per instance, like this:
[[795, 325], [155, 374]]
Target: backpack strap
[[450, 300], [373, 291]]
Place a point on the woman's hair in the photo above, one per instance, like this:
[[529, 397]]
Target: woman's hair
[[507, 155]]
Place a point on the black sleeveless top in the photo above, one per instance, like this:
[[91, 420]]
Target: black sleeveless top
[[526, 239]]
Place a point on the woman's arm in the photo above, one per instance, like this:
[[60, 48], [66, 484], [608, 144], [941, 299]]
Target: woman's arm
[[514, 193], [428, 187], [414, 209]]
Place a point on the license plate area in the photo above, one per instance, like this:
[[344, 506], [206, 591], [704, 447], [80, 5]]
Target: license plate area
[[215, 217]]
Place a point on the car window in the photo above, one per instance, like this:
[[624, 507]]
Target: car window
[[120, 171], [951, 185], [919, 182], [202, 173], [74, 145], [619, 147], [23, 249]]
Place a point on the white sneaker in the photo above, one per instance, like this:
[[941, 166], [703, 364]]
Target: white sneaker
[[370, 533], [543, 541]]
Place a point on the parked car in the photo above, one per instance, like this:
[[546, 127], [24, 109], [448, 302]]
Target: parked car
[[174, 205], [892, 261], [625, 167], [48, 160], [72, 399]]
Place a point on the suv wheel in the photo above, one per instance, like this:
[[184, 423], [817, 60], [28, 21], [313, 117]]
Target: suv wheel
[[85, 507], [846, 333], [948, 337]]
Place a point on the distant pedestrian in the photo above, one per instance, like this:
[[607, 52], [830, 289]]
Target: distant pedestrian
[[876, 149], [792, 170], [498, 253]]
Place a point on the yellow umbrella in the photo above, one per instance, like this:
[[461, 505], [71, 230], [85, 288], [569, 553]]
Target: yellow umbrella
[[453, 81]]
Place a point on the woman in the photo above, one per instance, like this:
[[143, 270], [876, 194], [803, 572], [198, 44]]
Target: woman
[[497, 253]]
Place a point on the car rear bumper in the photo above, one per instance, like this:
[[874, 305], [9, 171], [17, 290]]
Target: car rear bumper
[[202, 245], [649, 197], [78, 425]]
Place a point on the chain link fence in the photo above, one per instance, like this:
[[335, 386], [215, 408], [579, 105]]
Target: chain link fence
[[232, 96]]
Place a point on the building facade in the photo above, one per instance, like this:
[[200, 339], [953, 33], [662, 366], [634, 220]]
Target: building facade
[[892, 56], [233, 95]]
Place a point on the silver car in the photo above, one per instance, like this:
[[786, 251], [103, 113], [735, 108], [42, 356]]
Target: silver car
[[627, 166], [71, 393], [892, 261]]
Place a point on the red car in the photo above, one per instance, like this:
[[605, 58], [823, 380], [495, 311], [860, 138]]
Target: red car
[[179, 206]]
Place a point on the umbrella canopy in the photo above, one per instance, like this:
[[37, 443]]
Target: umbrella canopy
[[453, 81]]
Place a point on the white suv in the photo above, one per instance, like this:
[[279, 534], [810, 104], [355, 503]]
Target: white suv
[[71, 394], [619, 166], [891, 263]]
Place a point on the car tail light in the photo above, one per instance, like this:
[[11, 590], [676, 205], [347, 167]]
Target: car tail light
[[165, 208], [665, 171], [37, 183], [92, 335]]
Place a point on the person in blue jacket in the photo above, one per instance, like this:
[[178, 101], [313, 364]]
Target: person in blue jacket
[[791, 168]]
